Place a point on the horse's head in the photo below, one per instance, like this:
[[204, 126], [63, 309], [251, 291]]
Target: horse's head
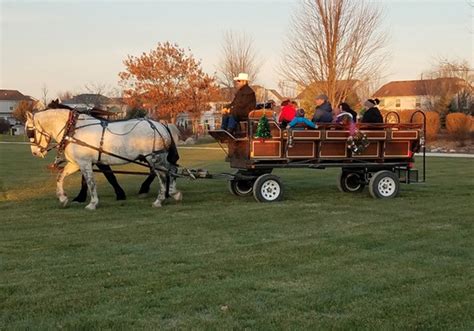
[[38, 138]]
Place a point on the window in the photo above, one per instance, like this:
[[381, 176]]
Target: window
[[397, 103], [417, 102], [382, 103], [11, 107]]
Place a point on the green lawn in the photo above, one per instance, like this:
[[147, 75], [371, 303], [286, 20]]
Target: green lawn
[[320, 259]]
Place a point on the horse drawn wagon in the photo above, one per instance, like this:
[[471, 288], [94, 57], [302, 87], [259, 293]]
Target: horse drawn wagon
[[380, 156]]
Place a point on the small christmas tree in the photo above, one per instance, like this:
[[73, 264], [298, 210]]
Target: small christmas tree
[[263, 128]]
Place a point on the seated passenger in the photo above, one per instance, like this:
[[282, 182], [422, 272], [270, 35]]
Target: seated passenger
[[287, 114], [300, 122], [342, 117], [346, 108], [372, 114], [323, 111]]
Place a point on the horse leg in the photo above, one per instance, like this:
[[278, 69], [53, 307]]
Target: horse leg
[[162, 190], [174, 193], [82, 195], [109, 174], [145, 188], [88, 174], [70, 168]]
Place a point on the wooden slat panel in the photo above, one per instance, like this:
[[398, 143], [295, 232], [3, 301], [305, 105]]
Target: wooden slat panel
[[371, 151], [375, 135], [306, 134], [404, 135], [266, 149], [397, 149], [337, 135], [302, 149], [333, 149]]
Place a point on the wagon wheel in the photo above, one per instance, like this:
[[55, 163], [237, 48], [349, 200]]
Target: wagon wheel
[[241, 188], [350, 182], [384, 185], [268, 188]]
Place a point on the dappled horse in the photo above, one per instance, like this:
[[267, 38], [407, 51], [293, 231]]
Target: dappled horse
[[86, 140], [104, 168]]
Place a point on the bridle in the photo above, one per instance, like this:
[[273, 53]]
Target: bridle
[[31, 131], [68, 129]]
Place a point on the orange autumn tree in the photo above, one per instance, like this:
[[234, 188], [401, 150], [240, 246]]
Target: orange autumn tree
[[167, 81]]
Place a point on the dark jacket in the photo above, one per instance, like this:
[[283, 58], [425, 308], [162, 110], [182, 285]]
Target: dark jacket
[[323, 113], [244, 102], [372, 115]]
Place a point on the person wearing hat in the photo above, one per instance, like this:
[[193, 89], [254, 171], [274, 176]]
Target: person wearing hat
[[323, 111], [372, 114], [244, 102]]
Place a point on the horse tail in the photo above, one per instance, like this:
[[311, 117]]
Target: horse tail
[[173, 155]]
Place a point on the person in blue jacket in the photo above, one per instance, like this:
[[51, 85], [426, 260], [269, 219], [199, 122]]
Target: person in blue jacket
[[300, 122]]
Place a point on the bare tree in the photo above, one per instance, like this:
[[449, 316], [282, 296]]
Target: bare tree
[[287, 88], [449, 85], [44, 94], [65, 95], [237, 55], [332, 43]]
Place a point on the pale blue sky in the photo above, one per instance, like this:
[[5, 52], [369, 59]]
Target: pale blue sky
[[67, 44]]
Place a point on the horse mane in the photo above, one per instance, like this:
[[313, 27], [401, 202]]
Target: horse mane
[[55, 104]]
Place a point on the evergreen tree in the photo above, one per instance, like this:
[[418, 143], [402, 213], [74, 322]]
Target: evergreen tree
[[263, 128]]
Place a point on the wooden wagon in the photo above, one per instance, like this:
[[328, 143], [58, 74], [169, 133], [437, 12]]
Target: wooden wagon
[[385, 160]]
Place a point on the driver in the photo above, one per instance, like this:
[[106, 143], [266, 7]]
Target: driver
[[244, 102]]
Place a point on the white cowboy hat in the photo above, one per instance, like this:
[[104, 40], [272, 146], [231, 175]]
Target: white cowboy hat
[[242, 76]]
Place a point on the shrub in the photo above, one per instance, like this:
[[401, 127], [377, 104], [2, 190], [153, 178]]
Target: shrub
[[432, 124], [459, 126]]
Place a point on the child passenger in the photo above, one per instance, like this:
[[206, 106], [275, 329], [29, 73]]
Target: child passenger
[[300, 122]]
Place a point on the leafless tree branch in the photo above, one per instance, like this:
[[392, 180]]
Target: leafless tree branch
[[333, 42], [237, 55]]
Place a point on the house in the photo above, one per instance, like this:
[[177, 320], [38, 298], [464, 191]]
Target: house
[[87, 101], [9, 100], [419, 94]]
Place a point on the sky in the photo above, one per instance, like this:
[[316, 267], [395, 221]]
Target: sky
[[66, 45]]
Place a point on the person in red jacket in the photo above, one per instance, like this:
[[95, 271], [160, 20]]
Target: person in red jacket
[[287, 114]]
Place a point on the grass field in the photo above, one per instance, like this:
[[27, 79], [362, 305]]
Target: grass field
[[318, 260]]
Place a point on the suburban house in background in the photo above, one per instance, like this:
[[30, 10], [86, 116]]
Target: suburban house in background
[[9, 100], [419, 94], [85, 102]]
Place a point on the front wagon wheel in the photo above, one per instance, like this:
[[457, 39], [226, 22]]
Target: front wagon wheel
[[241, 188], [268, 188], [384, 185], [350, 182]]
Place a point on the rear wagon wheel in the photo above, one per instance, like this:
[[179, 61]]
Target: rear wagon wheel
[[384, 185]]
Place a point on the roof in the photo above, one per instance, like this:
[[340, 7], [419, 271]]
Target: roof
[[88, 99], [13, 95], [416, 87]]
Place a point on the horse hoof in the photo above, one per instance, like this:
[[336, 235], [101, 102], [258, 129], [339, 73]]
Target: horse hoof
[[142, 195], [63, 201], [156, 204], [90, 207], [178, 196], [121, 198]]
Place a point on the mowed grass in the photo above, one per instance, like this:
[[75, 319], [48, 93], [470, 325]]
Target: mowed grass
[[320, 259]]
